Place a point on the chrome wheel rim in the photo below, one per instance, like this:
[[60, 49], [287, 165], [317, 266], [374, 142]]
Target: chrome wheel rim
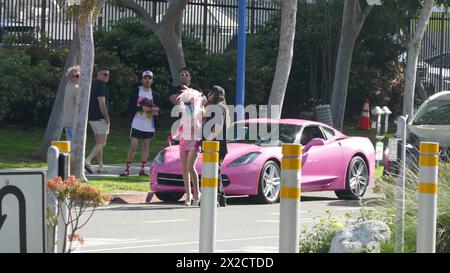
[[359, 177], [271, 182]]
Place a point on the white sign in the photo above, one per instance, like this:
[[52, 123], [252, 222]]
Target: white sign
[[393, 149], [379, 151], [22, 211], [373, 124]]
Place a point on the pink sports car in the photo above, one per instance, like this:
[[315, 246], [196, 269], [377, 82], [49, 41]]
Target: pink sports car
[[331, 161]]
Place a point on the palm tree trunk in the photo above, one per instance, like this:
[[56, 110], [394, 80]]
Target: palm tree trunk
[[413, 56], [82, 104], [284, 60]]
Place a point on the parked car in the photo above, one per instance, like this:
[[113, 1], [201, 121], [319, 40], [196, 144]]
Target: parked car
[[23, 32], [331, 161], [431, 122]]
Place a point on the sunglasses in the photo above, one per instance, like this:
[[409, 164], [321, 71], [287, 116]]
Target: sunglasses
[[76, 76], [184, 75], [106, 74]]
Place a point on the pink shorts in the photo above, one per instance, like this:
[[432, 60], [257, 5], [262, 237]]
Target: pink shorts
[[189, 145]]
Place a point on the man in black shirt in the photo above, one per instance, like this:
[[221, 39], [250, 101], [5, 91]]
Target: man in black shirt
[[175, 91], [185, 81], [99, 109]]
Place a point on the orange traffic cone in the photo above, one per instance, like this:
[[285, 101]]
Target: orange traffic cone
[[364, 120]]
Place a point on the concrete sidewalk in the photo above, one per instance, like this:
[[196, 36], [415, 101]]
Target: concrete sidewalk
[[129, 197]]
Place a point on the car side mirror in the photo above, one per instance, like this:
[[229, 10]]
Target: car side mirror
[[313, 142]]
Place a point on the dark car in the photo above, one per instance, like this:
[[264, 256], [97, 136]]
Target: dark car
[[23, 32]]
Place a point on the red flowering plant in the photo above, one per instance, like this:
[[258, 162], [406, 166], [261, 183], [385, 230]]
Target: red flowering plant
[[73, 199]]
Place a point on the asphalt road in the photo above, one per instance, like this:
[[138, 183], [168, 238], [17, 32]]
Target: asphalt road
[[242, 227]]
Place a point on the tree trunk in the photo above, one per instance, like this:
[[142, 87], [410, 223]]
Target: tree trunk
[[341, 77], [352, 23], [172, 44], [285, 53], [82, 104], [413, 56], [55, 121]]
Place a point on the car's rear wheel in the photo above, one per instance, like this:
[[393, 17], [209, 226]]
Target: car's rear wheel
[[356, 181], [269, 184], [169, 196]]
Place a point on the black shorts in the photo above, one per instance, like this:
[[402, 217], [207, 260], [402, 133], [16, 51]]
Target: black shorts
[[141, 134]]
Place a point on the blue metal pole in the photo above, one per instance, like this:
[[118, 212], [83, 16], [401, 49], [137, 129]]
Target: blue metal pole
[[240, 82]]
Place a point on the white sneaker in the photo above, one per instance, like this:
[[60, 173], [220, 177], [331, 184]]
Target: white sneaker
[[87, 167], [102, 170]]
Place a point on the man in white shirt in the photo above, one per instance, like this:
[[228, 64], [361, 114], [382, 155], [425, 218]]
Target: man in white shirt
[[70, 98], [143, 107]]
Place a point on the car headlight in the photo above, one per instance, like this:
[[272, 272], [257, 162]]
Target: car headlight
[[159, 158], [245, 159]]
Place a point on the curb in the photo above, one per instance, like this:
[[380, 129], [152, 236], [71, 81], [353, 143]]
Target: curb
[[131, 198]]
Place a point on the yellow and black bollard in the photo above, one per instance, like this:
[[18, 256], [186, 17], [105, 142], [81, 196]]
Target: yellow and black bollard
[[209, 184], [428, 189], [64, 158], [290, 193]]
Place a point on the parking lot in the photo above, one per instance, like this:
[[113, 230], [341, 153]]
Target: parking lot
[[242, 227]]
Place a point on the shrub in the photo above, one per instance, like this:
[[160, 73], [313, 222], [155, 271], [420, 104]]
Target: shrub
[[318, 238], [27, 90], [386, 186], [75, 197]]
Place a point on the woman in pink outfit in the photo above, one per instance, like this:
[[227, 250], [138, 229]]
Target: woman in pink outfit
[[191, 102]]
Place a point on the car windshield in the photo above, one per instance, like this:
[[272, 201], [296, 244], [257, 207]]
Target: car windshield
[[435, 112], [254, 133]]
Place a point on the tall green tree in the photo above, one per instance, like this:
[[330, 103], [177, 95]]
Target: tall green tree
[[352, 21]]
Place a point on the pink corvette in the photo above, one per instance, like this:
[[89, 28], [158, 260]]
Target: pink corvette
[[331, 161]]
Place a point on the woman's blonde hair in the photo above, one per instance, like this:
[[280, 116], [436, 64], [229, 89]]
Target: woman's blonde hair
[[72, 68]]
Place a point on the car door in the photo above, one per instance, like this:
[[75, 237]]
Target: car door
[[320, 164]]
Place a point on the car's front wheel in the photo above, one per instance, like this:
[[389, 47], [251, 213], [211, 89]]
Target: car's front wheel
[[169, 196], [357, 180], [269, 184]]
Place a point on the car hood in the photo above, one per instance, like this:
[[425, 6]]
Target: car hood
[[235, 150], [434, 133]]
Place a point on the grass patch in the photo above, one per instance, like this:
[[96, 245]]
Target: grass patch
[[371, 134], [17, 145], [379, 172], [121, 184]]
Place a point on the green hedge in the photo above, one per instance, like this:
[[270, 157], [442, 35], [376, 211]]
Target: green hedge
[[27, 86]]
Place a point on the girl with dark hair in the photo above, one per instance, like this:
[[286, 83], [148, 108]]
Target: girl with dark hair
[[218, 132]]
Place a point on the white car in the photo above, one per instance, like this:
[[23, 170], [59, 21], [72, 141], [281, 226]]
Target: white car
[[431, 122]]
